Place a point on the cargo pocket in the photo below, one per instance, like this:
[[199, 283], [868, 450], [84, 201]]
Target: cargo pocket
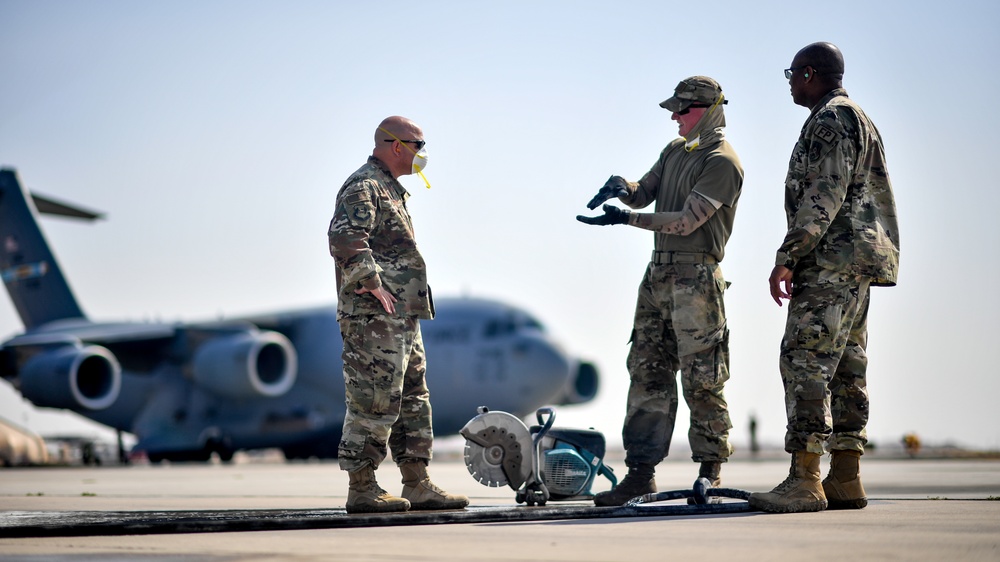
[[722, 359], [368, 374]]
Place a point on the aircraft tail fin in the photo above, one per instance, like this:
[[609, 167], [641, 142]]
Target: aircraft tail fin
[[29, 269]]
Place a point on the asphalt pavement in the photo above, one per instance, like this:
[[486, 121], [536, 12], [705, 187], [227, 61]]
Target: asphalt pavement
[[265, 509]]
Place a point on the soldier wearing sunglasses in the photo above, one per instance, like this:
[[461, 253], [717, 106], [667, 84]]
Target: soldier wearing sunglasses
[[680, 318], [382, 296]]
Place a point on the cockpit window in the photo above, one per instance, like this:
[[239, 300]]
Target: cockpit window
[[499, 327], [532, 323], [510, 324]]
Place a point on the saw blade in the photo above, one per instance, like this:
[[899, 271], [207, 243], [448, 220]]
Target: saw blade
[[485, 464], [498, 449]]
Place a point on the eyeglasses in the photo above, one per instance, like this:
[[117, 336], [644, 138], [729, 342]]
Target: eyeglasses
[[789, 71], [417, 143]]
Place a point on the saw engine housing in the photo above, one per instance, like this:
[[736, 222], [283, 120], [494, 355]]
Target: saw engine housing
[[540, 463], [571, 460]]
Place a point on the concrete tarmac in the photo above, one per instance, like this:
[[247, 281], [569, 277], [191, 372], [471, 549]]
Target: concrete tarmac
[[918, 510]]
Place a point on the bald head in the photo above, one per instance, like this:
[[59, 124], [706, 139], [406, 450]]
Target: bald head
[[826, 60], [389, 145], [400, 127]]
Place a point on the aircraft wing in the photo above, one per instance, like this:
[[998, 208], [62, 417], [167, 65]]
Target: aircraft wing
[[50, 206], [79, 330], [86, 332]]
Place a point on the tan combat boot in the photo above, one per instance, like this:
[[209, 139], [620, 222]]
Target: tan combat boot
[[801, 491], [842, 485], [711, 471], [422, 493], [365, 496], [638, 482]]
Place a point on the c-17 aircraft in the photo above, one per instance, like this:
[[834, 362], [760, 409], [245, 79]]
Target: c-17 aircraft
[[187, 390]]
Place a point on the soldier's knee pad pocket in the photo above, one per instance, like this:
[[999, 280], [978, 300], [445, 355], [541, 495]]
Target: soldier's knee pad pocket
[[810, 390]]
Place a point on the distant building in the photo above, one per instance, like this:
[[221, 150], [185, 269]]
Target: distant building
[[20, 447]]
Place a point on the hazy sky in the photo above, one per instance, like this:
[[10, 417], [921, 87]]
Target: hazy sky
[[215, 136]]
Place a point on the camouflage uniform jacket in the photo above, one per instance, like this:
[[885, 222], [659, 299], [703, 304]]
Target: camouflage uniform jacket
[[838, 198], [713, 171], [372, 243]]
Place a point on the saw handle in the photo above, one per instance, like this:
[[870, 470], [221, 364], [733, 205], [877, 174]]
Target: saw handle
[[535, 491], [545, 424]]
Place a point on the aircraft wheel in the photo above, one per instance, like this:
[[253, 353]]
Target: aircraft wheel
[[222, 448], [295, 453], [194, 455]]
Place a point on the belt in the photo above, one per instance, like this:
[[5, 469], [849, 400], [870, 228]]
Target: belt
[[662, 257]]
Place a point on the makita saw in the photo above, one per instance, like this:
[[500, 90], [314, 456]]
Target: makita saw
[[540, 463]]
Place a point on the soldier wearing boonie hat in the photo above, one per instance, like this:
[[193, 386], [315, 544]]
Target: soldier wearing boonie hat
[[680, 319], [694, 90]]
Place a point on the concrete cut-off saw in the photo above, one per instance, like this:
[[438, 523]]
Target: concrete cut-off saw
[[540, 463]]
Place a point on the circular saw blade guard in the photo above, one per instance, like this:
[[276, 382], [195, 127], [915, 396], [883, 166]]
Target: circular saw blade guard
[[497, 449]]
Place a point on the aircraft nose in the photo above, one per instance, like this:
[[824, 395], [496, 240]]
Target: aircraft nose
[[543, 364]]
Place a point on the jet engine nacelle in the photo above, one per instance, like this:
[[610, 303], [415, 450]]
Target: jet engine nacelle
[[72, 376], [582, 386], [246, 365]]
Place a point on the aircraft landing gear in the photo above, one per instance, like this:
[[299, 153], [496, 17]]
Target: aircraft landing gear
[[220, 447], [196, 455]]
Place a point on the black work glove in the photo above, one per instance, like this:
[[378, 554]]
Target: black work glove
[[616, 186], [612, 215]]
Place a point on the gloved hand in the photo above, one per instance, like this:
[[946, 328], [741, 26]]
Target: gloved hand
[[616, 186], [612, 215]]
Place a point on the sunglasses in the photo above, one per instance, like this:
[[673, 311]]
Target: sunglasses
[[417, 143], [688, 109]]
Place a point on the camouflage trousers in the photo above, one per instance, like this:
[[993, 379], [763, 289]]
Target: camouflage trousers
[[823, 362], [388, 404], [680, 324]]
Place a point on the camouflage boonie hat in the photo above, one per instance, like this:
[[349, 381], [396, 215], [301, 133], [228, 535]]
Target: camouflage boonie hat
[[696, 89]]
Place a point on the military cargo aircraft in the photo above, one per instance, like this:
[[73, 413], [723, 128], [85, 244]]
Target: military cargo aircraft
[[188, 390]]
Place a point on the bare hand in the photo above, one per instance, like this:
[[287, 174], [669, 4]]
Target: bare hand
[[385, 297], [781, 283]]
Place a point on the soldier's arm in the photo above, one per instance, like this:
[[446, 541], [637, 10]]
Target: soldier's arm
[[644, 191], [349, 231], [697, 210], [822, 191]]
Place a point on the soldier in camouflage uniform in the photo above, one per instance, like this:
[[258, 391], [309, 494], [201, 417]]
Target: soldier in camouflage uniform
[[842, 239], [680, 317], [382, 296]]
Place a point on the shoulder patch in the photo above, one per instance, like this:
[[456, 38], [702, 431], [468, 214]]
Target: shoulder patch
[[825, 134]]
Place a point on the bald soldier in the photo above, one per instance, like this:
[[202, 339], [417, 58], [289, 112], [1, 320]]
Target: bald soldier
[[680, 317], [842, 239], [382, 296]]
